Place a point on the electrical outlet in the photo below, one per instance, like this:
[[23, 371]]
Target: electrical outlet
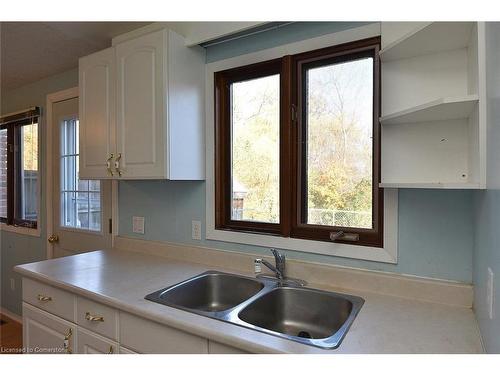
[[490, 293], [196, 230], [12, 284], [138, 224]]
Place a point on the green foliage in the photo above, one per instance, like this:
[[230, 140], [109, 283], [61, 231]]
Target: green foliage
[[338, 146]]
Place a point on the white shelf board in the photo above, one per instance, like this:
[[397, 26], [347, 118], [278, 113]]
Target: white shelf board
[[430, 185], [431, 38], [437, 110]]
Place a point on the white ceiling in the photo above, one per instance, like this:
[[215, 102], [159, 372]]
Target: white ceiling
[[35, 50]]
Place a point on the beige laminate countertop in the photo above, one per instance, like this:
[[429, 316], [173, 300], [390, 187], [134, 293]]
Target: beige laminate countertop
[[385, 324]]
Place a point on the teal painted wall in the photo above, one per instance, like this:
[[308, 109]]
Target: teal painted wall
[[14, 248], [435, 227]]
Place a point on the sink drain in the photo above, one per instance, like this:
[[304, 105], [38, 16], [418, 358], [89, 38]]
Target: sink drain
[[305, 335]]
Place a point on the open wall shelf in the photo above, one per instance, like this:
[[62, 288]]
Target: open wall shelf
[[431, 38], [437, 110], [433, 116]]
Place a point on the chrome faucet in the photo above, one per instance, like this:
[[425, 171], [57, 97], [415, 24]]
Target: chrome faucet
[[279, 260]]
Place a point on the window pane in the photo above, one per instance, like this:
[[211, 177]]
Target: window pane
[[27, 183], [95, 211], [68, 209], [80, 199], [339, 144], [82, 209], [255, 111], [3, 173]]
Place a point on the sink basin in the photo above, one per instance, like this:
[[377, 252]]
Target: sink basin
[[209, 292], [300, 312], [308, 316]]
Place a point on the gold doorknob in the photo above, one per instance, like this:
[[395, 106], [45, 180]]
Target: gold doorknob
[[54, 238]]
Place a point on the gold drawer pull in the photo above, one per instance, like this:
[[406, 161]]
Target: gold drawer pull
[[67, 337], [92, 318], [43, 298], [110, 349]]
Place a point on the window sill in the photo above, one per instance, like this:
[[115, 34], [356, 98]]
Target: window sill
[[20, 230]]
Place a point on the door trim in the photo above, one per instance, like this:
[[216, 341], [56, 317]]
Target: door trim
[[53, 98]]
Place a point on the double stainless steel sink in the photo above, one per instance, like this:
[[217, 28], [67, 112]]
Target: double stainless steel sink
[[308, 316]]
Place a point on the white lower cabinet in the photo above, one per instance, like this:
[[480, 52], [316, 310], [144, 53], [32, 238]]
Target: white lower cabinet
[[46, 333], [100, 329], [91, 343]]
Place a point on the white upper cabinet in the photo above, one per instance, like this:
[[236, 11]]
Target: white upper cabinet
[[97, 104], [158, 107], [433, 105], [141, 130]]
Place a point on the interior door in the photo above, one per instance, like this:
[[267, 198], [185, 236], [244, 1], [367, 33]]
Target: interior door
[[81, 208]]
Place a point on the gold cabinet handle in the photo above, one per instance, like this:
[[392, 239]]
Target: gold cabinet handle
[[43, 298], [108, 165], [117, 164], [53, 238], [110, 351], [67, 337], [92, 318]]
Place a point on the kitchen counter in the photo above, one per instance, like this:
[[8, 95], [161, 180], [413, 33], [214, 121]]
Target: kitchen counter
[[385, 324]]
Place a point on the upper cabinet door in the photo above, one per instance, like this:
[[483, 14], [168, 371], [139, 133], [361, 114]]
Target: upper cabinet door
[[97, 113], [141, 106]]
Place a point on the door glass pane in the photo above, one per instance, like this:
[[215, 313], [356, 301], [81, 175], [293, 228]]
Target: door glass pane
[[255, 119], [339, 147], [3, 173], [26, 180], [80, 199]]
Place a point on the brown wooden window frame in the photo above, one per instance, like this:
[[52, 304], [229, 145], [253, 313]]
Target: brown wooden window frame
[[13, 124], [292, 127]]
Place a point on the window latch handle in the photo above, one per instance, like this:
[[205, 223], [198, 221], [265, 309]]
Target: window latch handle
[[341, 235]]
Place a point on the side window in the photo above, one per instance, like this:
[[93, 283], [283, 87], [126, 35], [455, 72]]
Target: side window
[[19, 169]]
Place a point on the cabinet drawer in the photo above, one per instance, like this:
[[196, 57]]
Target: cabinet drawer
[[146, 336], [217, 348], [48, 298], [92, 343], [97, 318], [44, 333]]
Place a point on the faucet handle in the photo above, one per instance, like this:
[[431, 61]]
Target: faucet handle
[[278, 257]]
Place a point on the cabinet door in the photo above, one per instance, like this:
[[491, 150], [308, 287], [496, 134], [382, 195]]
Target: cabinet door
[[92, 343], [44, 333], [97, 104], [141, 106]]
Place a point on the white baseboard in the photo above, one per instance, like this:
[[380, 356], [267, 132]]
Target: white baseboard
[[11, 315]]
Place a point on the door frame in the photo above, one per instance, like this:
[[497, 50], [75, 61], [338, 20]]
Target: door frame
[[53, 98]]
